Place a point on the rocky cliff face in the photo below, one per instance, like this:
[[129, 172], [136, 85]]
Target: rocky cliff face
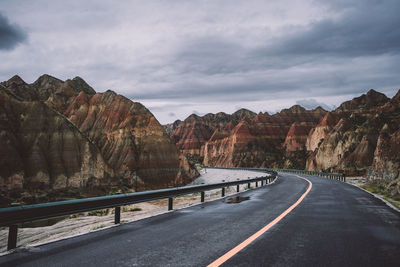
[[365, 139], [171, 127], [349, 145], [191, 135], [320, 132], [64, 135], [360, 137], [41, 151], [130, 138], [385, 169], [263, 140], [296, 138]]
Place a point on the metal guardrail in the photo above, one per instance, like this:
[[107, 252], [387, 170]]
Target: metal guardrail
[[335, 176], [12, 216]]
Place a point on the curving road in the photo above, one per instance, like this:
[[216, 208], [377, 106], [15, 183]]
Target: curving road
[[336, 224]]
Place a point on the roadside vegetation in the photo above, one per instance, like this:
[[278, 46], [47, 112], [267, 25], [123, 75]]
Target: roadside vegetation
[[384, 193]]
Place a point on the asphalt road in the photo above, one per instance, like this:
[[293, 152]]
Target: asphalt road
[[335, 225]]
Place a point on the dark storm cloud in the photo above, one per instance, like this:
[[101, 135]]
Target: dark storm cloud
[[314, 79], [10, 34], [365, 28]]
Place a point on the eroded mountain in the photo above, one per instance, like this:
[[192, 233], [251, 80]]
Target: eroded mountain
[[63, 135]]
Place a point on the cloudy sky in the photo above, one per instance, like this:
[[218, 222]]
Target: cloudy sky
[[183, 57]]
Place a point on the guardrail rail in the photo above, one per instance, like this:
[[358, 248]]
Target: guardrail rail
[[14, 215], [334, 176]]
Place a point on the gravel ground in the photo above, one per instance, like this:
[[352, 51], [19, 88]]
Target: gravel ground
[[358, 181], [81, 224]]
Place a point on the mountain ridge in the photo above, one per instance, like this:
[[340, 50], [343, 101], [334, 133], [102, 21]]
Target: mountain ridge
[[72, 139], [360, 137]]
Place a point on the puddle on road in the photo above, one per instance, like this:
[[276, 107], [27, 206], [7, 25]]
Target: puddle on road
[[238, 199]]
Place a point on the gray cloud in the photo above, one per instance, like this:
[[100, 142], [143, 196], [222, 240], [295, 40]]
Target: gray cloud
[[10, 34], [211, 56], [364, 28], [196, 112]]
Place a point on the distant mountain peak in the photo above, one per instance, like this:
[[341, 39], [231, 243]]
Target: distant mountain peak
[[244, 112], [369, 100], [397, 96], [82, 85], [193, 117], [319, 109], [110, 92], [372, 92], [16, 79], [294, 109], [46, 79]]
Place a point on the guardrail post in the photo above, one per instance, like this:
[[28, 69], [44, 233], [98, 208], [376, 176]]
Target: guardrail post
[[237, 188], [262, 183], [117, 215], [248, 185], [202, 196], [12, 233], [170, 203], [117, 212], [256, 183], [223, 192], [12, 237]]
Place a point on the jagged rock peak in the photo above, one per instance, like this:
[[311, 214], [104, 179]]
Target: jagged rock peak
[[244, 112], [17, 80], [78, 82], [46, 86], [45, 80], [20, 89], [110, 92], [372, 93], [193, 117], [177, 122], [319, 109], [294, 109], [220, 114], [371, 99], [396, 98]]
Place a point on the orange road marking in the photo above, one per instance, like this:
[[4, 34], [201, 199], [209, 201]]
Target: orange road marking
[[249, 240]]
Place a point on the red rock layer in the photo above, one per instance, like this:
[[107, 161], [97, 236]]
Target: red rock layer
[[133, 147], [129, 136], [297, 136], [191, 135], [260, 141]]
